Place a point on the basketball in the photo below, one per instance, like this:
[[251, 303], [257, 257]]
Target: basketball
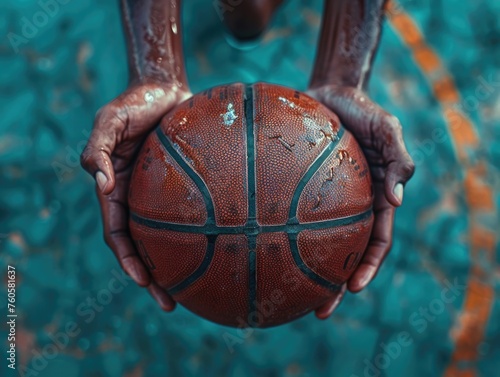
[[251, 204]]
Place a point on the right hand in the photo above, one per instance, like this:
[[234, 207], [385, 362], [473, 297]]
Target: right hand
[[119, 130], [380, 135]]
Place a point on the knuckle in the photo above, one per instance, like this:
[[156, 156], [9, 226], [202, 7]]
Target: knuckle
[[111, 117], [388, 247], [392, 122], [103, 113], [408, 168], [86, 157], [384, 244], [108, 239], [99, 114]]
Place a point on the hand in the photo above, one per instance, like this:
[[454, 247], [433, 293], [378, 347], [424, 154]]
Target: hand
[[380, 136], [120, 127]]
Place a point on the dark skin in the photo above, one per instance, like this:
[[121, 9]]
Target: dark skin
[[348, 41]]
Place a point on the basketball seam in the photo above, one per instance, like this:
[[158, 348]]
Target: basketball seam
[[215, 230], [248, 108], [251, 229], [292, 214], [209, 206], [191, 172], [306, 270], [200, 271], [311, 171]]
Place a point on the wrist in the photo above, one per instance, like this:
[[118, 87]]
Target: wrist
[[158, 77], [155, 43], [324, 79], [179, 89], [336, 84], [324, 90]]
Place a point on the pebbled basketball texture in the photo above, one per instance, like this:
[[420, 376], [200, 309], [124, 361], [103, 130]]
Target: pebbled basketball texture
[[251, 204]]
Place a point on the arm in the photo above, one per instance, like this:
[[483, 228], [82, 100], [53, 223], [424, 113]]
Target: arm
[[154, 41], [350, 33], [349, 38], [157, 83]]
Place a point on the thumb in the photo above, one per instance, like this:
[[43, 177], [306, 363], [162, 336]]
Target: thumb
[[96, 157]]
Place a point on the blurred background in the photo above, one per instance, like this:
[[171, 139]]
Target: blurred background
[[434, 308]]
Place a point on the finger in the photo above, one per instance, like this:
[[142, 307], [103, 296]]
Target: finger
[[378, 248], [96, 157], [165, 301], [117, 236], [400, 166], [325, 310]]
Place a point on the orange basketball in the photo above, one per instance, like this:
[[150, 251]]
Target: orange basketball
[[251, 204]]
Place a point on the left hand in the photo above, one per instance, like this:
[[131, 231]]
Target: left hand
[[381, 139], [120, 128]]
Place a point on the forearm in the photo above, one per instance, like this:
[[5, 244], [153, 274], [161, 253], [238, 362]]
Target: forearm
[[349, 38], [154, 40]]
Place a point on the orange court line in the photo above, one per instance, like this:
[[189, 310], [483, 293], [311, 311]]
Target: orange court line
[[468, 331]]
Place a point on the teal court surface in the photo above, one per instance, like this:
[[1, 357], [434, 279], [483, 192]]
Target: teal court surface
[[434, 308]]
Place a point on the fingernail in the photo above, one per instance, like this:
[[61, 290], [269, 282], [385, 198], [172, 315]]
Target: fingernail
[[166, 304], [101, 180], [368, 277], [398, 191], [132, 272], [162, 298]]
